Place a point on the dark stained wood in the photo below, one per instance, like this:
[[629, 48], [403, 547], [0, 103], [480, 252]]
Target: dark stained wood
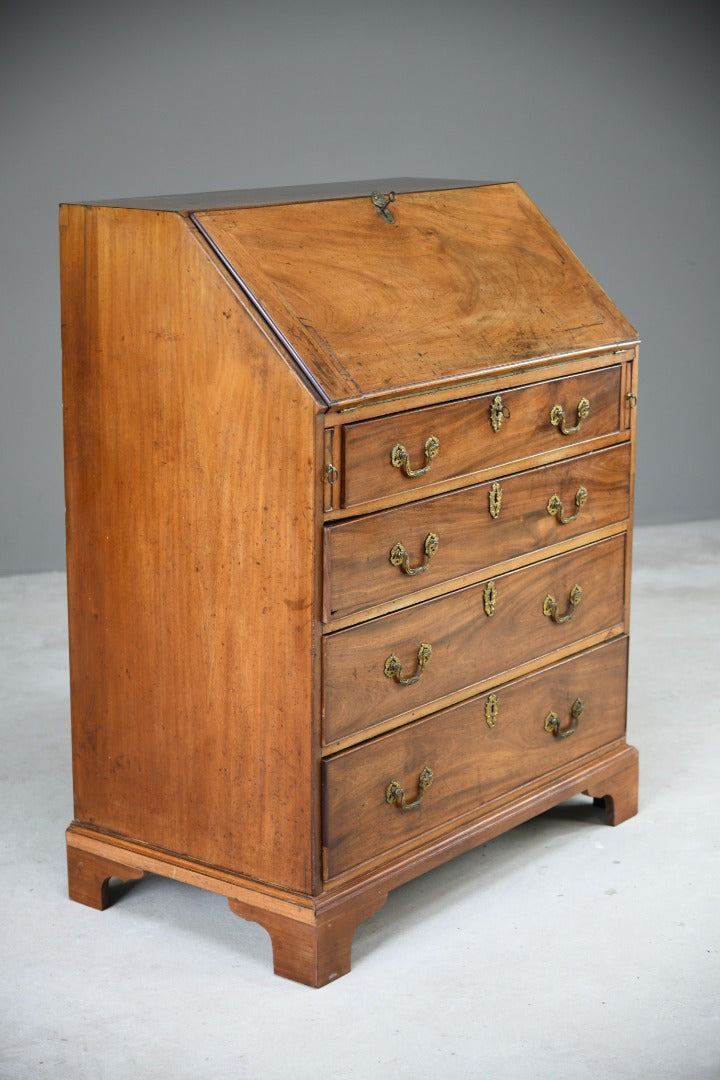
[[472, 764], [192, 517], [464, 280], [359, 573], [468, 443], [468, 646]]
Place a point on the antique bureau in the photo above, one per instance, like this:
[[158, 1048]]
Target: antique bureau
[[349, 480]]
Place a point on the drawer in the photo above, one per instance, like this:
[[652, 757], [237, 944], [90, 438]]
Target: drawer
[[450, 644], [472, 763], [449, 536], [447, 442]]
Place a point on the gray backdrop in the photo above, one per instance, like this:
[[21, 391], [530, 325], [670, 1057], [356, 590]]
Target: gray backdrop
[[606, 112]]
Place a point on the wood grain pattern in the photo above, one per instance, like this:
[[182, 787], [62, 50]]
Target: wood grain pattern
[[467, 645], [614, 773], [612, 777], [312, 951], [234, 383], [89, 877], [464, 280], [471, 762], [495, 379], [192, 518], [618, 793], [468, 443], [358, 571]]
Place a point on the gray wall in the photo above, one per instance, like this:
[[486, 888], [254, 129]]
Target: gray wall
[[606, 112]]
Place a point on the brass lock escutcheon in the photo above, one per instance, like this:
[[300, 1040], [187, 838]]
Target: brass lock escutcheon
[[557, 416], [395, 792], [492, 709], [495, 500], [381, 203], [400, 557], [550, 606], [552, 721], [556, 508], [393, 666], [490, 598], [498, 412], [400, 459]]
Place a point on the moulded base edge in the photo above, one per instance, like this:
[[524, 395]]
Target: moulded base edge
[[312, 935]]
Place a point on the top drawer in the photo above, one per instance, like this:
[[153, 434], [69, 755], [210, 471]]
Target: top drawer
[[398, 455]]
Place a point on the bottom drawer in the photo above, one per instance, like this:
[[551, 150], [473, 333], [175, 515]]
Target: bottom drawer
[[450, 764]]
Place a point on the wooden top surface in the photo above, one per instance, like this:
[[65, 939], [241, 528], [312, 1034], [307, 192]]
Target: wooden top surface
[[269, 196], [463, 281]]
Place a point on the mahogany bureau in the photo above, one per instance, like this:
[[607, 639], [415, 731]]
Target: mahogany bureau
[[349, 478]]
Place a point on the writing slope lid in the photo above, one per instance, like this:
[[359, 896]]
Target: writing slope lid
[[460, 281]]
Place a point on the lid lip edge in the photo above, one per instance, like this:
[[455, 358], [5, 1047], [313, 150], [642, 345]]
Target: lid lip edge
[[460, 380]]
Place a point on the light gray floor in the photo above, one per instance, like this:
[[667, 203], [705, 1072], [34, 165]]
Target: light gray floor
[[564, 949]]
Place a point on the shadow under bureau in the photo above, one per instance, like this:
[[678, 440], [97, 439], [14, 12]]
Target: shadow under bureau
[[349, 478]]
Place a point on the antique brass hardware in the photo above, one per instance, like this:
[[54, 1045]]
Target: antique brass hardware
[[556, 509], [400, 459], [557, 416], [400, 557], [550, 606], [495, 500], [631, 399], [395, 792], [381, 203], [393, 667], [552, 720], [490, 598], [492, 708], [498, 413], [331, 474]]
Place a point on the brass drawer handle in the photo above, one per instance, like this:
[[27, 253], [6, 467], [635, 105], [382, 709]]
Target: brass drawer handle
[[396, 792], [552, 721], [400, 459], [556, 508], [393, 667], [557, 416], [400, 557], [550, 606]]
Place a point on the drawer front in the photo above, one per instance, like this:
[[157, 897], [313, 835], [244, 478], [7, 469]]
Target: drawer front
[[465, 440], [471, 762], [364, 666], [392, 554]]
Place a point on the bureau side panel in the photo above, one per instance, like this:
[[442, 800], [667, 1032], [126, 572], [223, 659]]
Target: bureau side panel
[[191, 530]]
